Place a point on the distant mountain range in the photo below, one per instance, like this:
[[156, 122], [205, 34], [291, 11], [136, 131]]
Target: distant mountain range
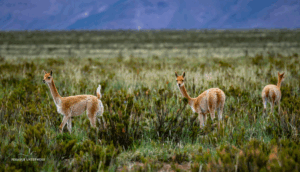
[[148, 14]]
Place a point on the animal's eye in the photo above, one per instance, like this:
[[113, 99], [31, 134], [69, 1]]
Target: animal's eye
[[48, 77]]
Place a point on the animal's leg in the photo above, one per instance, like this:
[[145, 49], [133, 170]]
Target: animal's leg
[[69, 124], [220, 110], [92, 110], [92, 118], [205, 118], [99, 122], [93, 121], [211, 107], [62, 125], [102, 123], [212, 114], [221, 106], [201, 120], [100, 113], [265, 101], [272, 107]]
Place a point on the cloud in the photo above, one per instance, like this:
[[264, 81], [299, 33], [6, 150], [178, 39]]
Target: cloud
[[101, 9], [284, 10]]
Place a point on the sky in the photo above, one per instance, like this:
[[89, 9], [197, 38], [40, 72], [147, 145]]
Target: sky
[[148, 14]]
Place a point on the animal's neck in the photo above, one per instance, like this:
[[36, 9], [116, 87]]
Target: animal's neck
[[279, 83], [55, 95], [185, 94]]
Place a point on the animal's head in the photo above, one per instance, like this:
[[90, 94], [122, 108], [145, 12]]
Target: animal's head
[[281, 76], [180, 79], [47, 77]]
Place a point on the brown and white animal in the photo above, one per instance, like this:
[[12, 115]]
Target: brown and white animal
[[75, 105], [207, 102], [272, 94]]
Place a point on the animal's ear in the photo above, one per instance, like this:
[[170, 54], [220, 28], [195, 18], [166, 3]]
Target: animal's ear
[[176, 74], [282, 74], [183, 74], [278, 73], [51, 73], [45, 72]]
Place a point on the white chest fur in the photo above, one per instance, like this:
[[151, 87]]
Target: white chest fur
[[59, 109], [193, 109]]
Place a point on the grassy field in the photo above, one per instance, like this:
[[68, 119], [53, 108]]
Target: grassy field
[[150, 127], [166, 43]]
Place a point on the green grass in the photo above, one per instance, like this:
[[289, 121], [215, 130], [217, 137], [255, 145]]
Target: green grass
[[162, 43], [148, 120]]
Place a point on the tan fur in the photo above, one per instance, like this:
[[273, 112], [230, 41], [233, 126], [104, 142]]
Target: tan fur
[[272, 94], [74, 105], [98, 96], [207, 102]]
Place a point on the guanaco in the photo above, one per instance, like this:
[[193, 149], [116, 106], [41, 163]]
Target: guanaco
[[206, 102], [74, 105], [272, 94]]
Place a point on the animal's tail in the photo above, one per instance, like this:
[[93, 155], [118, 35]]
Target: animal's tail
[[98, 92]]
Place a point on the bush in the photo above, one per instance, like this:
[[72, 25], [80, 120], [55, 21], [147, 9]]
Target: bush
[[121, 116], [35, 139], [92, 157], [253, 156]]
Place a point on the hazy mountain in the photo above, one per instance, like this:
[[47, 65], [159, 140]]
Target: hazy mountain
[[148, 14]]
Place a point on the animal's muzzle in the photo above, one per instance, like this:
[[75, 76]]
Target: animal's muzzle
[[43, 81]]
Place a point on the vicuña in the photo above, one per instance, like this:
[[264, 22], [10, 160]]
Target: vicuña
[[272, 94], [207, 102], [75, 105]]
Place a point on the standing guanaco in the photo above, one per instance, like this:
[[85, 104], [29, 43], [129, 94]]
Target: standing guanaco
[[272, 94], [74, 105], [206, 102]]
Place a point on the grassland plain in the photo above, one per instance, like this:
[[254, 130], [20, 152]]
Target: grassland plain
[[149, 124], [147, 43]]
